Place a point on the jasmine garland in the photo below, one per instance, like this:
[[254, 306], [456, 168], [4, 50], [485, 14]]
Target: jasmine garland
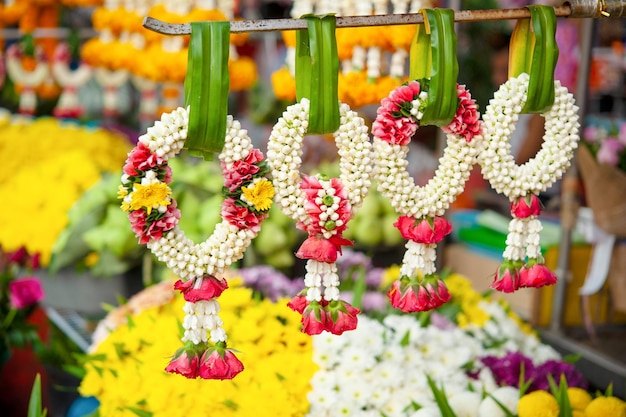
[[322, 207], [523, 264], [421, 208], [154, 218]]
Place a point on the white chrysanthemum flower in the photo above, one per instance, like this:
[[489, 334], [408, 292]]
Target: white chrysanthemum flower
[[507, 396], [431, 411], [465, 404]]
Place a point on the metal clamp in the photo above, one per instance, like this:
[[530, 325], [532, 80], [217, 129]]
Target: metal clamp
[[596, 8]]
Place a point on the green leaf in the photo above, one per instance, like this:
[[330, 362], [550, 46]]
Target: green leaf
[[504, 409], [359, 288], [34, 404], [139, 412], [406, 339], [523, 384], [572, 358], [206, 87], [544, 57], [317, 72], [433, 57], [440, 399], [70, 246]]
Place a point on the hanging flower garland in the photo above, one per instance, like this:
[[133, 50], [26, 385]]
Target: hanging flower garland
[[27, 72], [322, 207], [422, 208], [154, 218], [70, 81], [523, 264]]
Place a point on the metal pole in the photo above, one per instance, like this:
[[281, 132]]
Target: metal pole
[[268, 25], [569, 205]]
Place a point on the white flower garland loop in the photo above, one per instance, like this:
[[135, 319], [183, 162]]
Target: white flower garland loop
[[322, 207], [559, 141], [154, 218], [284, 155], [396, 184], [228, 242], [523, 264]]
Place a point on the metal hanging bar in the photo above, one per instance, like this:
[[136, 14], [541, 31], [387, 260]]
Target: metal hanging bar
[[573, 8]]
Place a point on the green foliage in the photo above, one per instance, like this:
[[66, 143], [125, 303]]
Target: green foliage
[[35, 407]]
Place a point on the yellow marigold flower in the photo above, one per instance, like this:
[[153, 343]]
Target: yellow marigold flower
[[606, 406], [578, 413], [538, 404], [150, 196], [243, 73], [259, 194], [289, 37], [284, 84], [579, 398], [389, 276], [92, 259]]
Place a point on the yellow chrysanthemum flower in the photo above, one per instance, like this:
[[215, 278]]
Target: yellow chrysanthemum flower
[[277, 357], [121, 192], [150, 196], [538, 404], [259, 194], [389, 276], [579, 398], [606, 406], [45, 178]]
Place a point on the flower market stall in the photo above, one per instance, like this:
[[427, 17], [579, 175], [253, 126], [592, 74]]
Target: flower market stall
[[283, 285]]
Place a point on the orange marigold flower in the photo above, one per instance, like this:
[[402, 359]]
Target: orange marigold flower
[[243, 73], [284, 85], [289, 37]]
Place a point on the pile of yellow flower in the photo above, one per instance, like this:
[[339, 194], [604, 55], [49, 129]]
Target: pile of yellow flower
[[46, 166], [127, 371], [544, 404]]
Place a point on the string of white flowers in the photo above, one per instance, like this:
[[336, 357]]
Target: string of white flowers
[[201, 319], [227, 243], [69, 80], [29, 80], [559, 141], [419, 257], [318, 274], [110, 81], [540, 172], [284, 156], [533, 230], [515, 240], [434, 198]]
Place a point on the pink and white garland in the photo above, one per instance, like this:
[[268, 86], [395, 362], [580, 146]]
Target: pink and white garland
[[154, 218], [111, 81], [322, 207], [421, 208], [29, 80], [70, 81], [523, 264]]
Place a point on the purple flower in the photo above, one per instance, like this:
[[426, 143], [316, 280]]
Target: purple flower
[[374, 301], [609, 151], [556, 368], [269, 282], [350, 260], [374, 277], [507, 369], [441, 322]]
